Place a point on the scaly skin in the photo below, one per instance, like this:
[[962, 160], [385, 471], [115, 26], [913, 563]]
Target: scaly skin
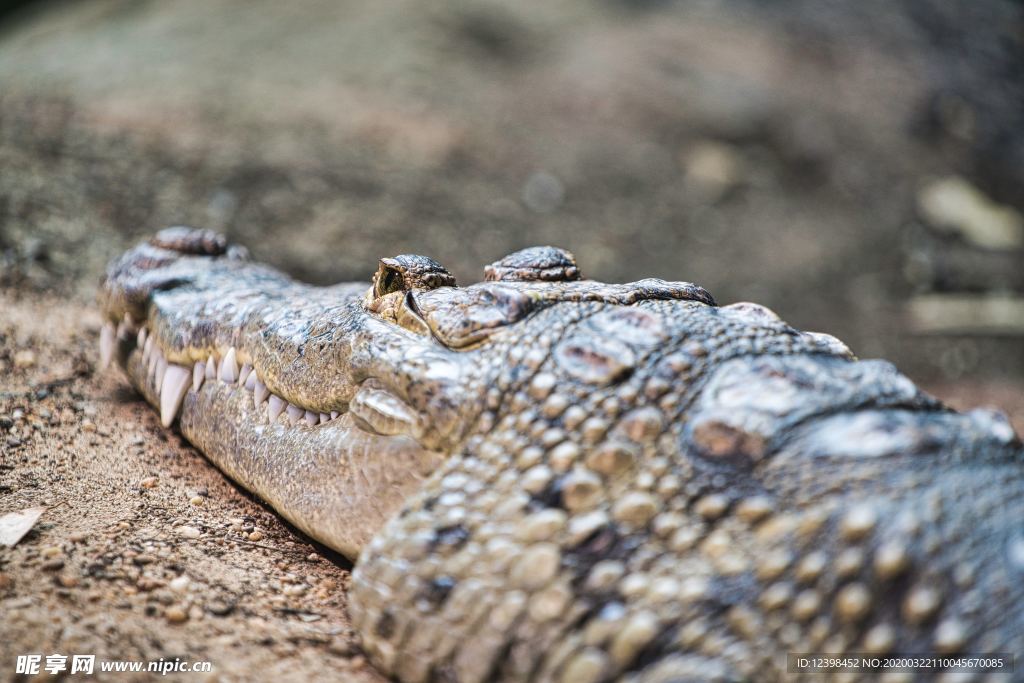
[[570, 481]]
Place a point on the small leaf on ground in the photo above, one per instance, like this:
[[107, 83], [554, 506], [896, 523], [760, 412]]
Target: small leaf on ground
[[14, 525]]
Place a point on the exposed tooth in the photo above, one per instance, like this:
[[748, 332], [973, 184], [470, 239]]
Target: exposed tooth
[[312, 418], [250, 379], [335, 414], [140, 340], [260, 393], [228, 371], [295, 413], [161, 370], [147, 350], [324, 417], [244, 374], [275, 407], [126, 328], [198, 375], [383, 412], [211, 367], [174, 387], [107, 338]]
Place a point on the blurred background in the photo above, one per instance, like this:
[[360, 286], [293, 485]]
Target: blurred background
[[857, 167]]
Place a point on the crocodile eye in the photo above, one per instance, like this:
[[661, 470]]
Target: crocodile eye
[[549, 264], [391, 296], [388, 280], [409, 272]]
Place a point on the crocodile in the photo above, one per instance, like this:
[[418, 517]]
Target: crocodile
[[541, 477]]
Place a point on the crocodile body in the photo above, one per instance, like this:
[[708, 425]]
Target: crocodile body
[[545, 478]]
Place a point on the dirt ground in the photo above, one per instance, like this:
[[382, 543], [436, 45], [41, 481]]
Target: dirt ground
[[145, 550], [112, 568]]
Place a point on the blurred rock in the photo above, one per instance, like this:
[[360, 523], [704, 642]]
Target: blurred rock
[[543, 192], [982, 314], [954, 205], [712, 168]]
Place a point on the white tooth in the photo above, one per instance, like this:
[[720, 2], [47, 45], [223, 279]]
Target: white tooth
[[211, 367], [126, 328], [295, 413], [335, 414], [161, 370], [275, 407], [260, 393], [244, 373], [312, 418], [107, 339], [228, 371], [174, 387], [250, 378], [147, 350], [140, 341], [324, 417], [198, 375]]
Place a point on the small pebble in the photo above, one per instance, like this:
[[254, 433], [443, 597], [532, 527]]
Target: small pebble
[[256, 536], [146, 583], [219, 608], [196, 500], [179, 584], [53, 565], [24, 359], [67, 581], [149, 482], [175, 614], [342, 647], [189, 532]]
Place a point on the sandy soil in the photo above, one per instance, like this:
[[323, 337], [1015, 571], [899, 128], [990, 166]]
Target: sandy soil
[[145, 550], [112, 567]]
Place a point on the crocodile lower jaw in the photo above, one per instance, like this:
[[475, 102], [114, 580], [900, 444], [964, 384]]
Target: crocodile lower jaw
[[258, 438]]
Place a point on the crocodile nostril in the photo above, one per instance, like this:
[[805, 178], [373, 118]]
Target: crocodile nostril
[[549, 264], [192, 241]]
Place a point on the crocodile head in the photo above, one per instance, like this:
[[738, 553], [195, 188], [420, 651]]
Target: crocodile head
[[372, 387], [624, 481]]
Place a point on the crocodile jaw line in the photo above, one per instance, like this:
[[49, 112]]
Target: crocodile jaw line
[[363, 462]]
